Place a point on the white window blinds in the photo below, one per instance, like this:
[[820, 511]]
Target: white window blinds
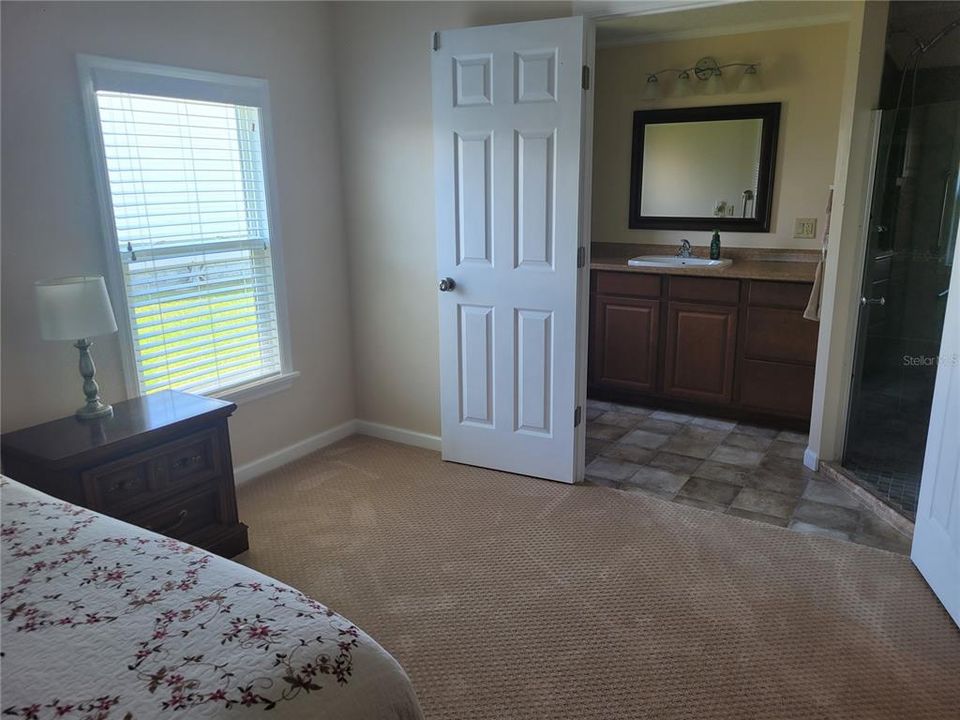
[[186, 182]]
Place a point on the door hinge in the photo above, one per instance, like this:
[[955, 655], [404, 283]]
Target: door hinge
[[585, 77], [576, 416], [581, 256], [436, 41]]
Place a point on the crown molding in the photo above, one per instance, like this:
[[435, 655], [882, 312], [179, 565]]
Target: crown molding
[[600, 9], [740, 29]]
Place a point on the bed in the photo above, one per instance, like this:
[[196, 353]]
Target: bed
[[104, 620]]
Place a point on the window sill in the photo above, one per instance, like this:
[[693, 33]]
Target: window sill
[[258, 389]]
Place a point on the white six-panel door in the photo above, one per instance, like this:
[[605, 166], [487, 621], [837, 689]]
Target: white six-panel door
[[936, 539], [508, 125]]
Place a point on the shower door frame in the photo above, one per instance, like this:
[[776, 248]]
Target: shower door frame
[[853, 387], [863, 312]]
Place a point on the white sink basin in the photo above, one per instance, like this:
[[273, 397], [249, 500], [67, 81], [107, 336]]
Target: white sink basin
[[674, 261]]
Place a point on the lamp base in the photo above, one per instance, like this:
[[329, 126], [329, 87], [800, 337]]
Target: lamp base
[[95, 408], [94, 411]]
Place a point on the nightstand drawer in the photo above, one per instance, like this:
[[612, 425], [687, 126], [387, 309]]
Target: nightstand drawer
[[180, 518], [191, 462], [118, 483]]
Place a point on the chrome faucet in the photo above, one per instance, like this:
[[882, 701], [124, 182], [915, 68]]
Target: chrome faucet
[[684, 250]]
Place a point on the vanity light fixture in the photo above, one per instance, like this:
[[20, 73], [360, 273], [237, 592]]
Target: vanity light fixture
[[708, 71]]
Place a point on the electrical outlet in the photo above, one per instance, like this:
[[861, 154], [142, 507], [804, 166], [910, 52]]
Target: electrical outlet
[[805, 228]]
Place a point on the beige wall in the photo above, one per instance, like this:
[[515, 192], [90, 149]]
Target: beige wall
[[801, 68], [50, 224], [387, 148]]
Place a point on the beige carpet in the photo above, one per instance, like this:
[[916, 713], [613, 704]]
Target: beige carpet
[[509, 597]]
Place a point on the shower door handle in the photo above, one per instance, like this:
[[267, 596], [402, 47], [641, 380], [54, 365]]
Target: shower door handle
[[943, 207], [873, 301]]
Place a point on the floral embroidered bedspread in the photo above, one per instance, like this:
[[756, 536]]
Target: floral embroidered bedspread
[[104, 620]]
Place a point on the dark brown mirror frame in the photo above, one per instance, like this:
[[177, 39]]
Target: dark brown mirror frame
[[769, 113]]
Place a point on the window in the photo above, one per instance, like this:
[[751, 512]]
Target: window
[[182, 159]]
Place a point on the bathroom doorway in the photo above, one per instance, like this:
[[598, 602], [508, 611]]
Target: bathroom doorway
[[912, 238]]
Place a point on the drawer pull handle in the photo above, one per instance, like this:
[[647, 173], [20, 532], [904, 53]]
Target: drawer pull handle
[[119, 485], [181, 516], [185, 462]]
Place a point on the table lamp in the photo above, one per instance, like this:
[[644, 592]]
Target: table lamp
[[78, 308]]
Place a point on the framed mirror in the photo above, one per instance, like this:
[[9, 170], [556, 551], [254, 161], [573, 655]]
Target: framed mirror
[[704, 168]]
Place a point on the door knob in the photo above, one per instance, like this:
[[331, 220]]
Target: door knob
[[873, 301], [447, 284]]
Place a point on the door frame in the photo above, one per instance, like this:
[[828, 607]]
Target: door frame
[[863, 314], [583, 271], [591, 11], [865, 25]]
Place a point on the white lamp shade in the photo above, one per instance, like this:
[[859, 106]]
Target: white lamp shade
[[651, 88], [76, 307], [750, 82], [715, 84], [683, 86]]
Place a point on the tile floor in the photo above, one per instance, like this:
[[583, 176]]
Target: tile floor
[[721, 465], [899, 489]]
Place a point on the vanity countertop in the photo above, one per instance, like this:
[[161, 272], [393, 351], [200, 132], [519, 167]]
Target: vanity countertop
[[748, 263]]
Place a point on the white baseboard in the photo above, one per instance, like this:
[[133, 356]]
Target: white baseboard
[[246, 473], [811, 459], [395, 434], [260, 466]]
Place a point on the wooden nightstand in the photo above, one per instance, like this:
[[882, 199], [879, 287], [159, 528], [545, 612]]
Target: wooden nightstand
[[161, 462]]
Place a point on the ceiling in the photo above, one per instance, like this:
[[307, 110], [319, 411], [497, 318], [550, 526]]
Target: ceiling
[[913, 21], [708, 20]]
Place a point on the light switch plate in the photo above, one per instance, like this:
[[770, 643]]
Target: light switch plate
[[805, 228]]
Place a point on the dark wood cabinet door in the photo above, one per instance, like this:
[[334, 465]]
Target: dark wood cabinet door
[[625, 343], [778, 388], [780, 335], [700, 352]]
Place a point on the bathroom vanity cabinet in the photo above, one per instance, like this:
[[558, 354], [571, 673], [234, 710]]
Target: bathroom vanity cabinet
[[733, 346], [625, 342]]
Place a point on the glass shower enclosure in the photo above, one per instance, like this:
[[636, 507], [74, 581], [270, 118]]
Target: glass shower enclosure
[[911, 240]]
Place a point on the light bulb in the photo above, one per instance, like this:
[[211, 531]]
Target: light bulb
[[651, 90]]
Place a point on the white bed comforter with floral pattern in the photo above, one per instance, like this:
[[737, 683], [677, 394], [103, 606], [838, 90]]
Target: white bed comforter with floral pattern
[[104, 620]]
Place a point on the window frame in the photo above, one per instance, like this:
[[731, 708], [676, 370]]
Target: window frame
[[102, 73]]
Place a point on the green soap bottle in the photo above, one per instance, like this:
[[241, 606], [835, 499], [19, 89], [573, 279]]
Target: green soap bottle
[[715, 246]]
